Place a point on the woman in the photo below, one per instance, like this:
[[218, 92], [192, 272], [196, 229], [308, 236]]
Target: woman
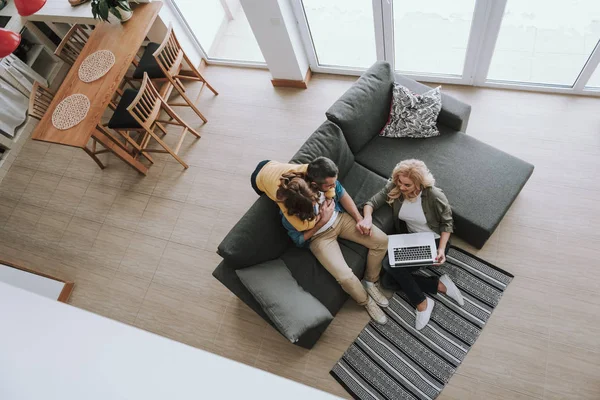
[[266, 179], [298, 197], [418, 206]]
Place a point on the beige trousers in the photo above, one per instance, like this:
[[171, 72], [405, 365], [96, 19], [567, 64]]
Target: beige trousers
[[327, 250]]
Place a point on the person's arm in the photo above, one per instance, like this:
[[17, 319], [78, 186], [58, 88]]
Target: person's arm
[[350, 207], [325, 213], [444, 212], [299, 238], [298, 224], [373, 204], [441, 255]]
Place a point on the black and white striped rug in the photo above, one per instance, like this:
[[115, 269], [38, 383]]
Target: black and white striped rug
[[395, 361]]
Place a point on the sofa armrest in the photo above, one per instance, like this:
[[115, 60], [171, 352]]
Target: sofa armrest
[[258, 236], [455, 114]]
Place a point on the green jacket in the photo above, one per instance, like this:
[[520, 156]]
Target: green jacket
[[435, 207]]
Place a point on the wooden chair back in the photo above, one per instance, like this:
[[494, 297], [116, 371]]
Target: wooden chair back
[[170, 55], [72, 44], [145, 108], [39, 101]]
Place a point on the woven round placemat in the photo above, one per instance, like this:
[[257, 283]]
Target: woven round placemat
[[96, 65], [71, 111]]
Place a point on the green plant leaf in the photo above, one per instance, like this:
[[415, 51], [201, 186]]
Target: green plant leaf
[[103, 10], [124, 5], [116, 12]]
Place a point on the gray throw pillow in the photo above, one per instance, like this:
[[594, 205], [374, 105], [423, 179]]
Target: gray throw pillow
[[413, 115], [291, 308]]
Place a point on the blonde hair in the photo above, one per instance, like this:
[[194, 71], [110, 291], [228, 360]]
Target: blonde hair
[[416, 171]]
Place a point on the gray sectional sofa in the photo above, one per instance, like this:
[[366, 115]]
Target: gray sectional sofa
[[480, 182]]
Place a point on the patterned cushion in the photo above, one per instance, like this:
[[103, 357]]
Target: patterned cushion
[[413, 115]]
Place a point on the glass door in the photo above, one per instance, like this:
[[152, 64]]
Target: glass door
[[431, 37], [424, 39], [526, 44], [221, 29], [545, 42], [339, 34]]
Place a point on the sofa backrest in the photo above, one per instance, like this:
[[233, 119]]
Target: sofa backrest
[[260, 236], [257, 237], [364, 109], [327, 141]]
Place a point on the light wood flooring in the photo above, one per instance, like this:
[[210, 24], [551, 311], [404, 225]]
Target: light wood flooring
[[141, 250]]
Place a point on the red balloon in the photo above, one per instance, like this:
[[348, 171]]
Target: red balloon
[[29, 7], [9, 41]]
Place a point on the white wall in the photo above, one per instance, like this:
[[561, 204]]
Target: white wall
[[275, 29], [50, 350]]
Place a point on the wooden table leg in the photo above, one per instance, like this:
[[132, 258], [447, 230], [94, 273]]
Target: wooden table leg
[[107, 141]]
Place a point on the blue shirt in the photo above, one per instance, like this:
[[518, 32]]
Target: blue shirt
[[297, 236]]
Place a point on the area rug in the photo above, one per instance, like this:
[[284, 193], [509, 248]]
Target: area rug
[[395, 361]]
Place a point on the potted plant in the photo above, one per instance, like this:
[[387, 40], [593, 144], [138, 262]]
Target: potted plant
[[118, 8]]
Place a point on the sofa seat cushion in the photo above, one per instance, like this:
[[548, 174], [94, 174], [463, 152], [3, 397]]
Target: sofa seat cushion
[[480, 181], [122, 118], [148, 64], [315, 279], [293, 310]]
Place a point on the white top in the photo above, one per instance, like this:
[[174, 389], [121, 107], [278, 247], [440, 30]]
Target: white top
[[412, 213], [333, 216], [51, 350]]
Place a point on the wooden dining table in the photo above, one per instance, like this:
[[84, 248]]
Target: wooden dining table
[[124, 41]]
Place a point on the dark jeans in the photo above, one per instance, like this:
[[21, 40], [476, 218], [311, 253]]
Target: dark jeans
[[415, 286], [255, 174]]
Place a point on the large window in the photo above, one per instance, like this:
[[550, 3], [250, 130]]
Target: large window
[[342, 32], [527, 44], [545, 42], [221, 28], [594, 81], [431, 36]]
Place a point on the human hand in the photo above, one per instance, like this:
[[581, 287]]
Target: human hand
[[364, 226], [441, 257], [326, 211]]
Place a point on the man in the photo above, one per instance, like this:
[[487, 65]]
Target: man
[[338, 216], [266, 179]]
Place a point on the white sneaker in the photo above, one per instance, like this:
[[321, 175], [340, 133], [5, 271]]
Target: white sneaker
[[422, 317], [451, 290], [375, 312], [375, 294]]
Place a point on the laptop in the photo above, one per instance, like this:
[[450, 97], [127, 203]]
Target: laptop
[[412, 249]]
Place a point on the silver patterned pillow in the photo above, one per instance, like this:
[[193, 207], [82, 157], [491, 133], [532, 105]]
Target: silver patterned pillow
[[413, 115]]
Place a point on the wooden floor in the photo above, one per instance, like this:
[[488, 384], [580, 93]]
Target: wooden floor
[[141, 250]]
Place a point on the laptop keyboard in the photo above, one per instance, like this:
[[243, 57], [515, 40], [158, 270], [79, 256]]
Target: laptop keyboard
[[412, 253]]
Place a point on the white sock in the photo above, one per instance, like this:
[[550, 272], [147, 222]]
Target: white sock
[[368, 284]]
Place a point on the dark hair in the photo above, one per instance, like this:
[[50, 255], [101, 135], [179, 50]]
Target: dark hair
[[320, 169], [297, 196]]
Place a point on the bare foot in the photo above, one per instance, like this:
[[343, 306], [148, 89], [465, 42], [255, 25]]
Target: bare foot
[[441, 288], [422, 306]]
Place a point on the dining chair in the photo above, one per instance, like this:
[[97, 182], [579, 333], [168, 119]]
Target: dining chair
[[138, 112], [39, 102], [72, 44], [167, 62]]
